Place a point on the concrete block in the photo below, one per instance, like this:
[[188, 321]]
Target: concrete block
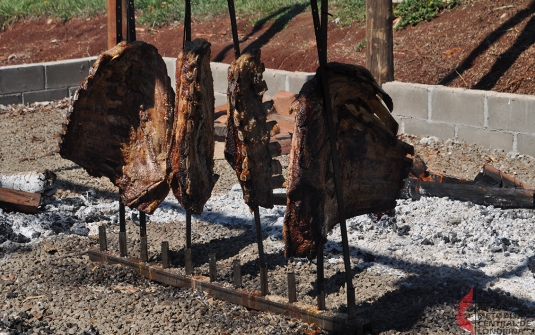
[[170, 63], [9, 99], [66, 73], [457, 105], [526, 144], [511, 112], [47, 95], [486, 138], [276, 81], [409, 99], [422, 127], [220, 75], [72, 90], [296, 80], [220, 98], [17, 79]]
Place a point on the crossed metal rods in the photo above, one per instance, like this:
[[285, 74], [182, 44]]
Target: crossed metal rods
[[320, 30]]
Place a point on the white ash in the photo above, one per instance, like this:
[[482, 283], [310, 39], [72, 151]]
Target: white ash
[[495, 244]]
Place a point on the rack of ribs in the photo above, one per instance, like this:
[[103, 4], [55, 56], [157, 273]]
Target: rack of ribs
[[247, 138], [120, 123], [373, 162], [192, 156]]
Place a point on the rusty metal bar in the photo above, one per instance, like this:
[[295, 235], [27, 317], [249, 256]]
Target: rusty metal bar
[[188, 266], [213, 267], [292, 290], [261, 256], [234, 26], [130, 22], [321, 41], [237, 273], [118, 21], [143, 236], [320, 278], [188, 229], [187, 23], [102, 238], [330, 321], [122, 229], [165, 254]]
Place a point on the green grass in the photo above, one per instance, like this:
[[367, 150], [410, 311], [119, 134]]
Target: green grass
[[160, 12]]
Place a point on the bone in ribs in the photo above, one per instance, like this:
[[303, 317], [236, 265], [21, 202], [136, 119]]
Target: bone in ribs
[[120, 122], [192, 156], [247, 139], [373, 162]]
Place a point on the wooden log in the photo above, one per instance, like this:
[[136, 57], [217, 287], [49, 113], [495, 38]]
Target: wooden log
[[491, 177], [276, 167], [379, 40], [19, 201], [498, 197], [31, 181]]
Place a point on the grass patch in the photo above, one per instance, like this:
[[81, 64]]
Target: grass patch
[[414, 11], [162, 12]]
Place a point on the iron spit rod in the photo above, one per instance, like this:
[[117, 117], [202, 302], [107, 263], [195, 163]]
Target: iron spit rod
[[122, 229], [187, 252], [187, 23], [321, 41], [261, 256], [320, 279], [188, 229], [143, 236], [130, 22], [119, 21], [234, 27]]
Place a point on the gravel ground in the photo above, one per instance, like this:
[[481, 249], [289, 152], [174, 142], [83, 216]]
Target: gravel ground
[[410, 269]]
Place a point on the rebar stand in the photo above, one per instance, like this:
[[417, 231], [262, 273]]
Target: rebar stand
[[320, 30]]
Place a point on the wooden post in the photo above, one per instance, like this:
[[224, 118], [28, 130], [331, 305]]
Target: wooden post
[[379, 40], [111, 7]]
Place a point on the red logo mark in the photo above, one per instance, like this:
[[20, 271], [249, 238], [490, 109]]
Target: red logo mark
[[462, 320]]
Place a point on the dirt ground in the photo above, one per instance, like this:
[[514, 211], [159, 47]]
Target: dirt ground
[[483, 44]]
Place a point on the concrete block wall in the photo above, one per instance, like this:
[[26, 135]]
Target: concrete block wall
[[43, 81], [490, 119]]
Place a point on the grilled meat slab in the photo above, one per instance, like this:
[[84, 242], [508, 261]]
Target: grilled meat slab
[[192, 156], [247, 138], [120, 122], [373, 162]]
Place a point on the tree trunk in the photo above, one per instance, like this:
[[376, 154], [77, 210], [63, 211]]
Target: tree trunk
[[379, 40]]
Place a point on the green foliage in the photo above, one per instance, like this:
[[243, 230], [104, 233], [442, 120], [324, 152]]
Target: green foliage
[[161, 12], [414, 11], [359, 47]]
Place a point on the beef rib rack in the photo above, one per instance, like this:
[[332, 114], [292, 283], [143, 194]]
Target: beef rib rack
[[192, 155], [247, 138], [373, 162], [120, 123]]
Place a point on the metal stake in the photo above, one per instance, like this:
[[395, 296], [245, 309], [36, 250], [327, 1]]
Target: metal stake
[[237, 273], [321, 42], [187, 24], [187, 251], [102, 238], [292, 292], [213, 267], [130, 22], [261, 256], [119, 21], [165, 254], [122, 229], [234, 26], [143, 254], [320, 278]]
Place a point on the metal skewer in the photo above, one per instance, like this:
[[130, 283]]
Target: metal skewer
[[261, 256], [321, 41], [187, 251], [122, 229]]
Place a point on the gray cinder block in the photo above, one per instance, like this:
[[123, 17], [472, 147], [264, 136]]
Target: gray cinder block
[[409, 99], [458, 106], [48, 95], [17, 79], [485, 137], [66, 73], [426, 128], [512, 112]]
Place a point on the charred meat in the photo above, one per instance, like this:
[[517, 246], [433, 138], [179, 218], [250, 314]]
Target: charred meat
[[192, 156], [247, 138], [373, 162], [120, 123]]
